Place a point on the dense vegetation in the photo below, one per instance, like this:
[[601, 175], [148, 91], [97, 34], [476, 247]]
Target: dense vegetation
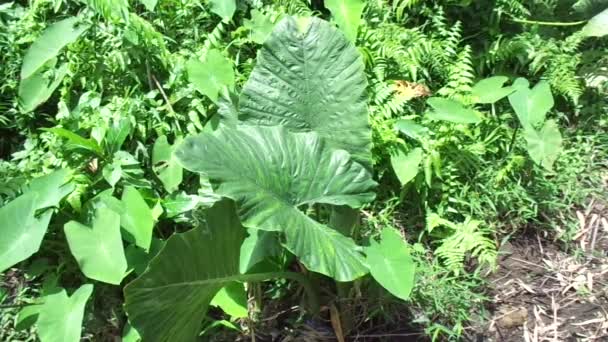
[[174, 170]]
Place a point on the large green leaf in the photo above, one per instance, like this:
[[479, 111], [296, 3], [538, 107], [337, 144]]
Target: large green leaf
[[212, 75], [491, 90], [347, 14], [271, 173], [390, 263], [60, 318], [169, 301], [51, 188], [21, 230], [98, 250], [48, 45], [36, 89], [309, 77], [531, 105], [597, 26], [544, 146], [452, 111], [406, 166], [165, 165], [136, 218]]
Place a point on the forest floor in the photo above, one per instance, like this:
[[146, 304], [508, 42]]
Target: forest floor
[[543, 293]]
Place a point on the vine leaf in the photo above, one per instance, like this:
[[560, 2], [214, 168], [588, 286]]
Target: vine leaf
[[309, 77], [270, 173]]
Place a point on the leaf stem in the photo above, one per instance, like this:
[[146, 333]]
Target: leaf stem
[[548, 23]]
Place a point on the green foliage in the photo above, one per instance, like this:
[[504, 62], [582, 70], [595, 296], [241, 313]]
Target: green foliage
[[331, 79], [60, 317], [391, 265], [391, 111], [98, 249], [347, 14]]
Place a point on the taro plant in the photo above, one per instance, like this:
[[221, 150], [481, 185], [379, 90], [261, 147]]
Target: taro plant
[[298, 137]]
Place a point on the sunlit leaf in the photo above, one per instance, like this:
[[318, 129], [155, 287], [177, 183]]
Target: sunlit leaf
[[232, 299], [531, 105], [597, 26], [270, 173], [136, 218], [48, 45], [169, 301], [165, 165], [406, 166], [347, 14], [21, 230], [390, 263], [223, 8], [491, 90], [260, 26], [309, 77], [212, 75], [38, 88], [60, 318], [98, 249], [451, 111], [544, 146]]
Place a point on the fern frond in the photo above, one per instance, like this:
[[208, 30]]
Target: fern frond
[[467, 239]]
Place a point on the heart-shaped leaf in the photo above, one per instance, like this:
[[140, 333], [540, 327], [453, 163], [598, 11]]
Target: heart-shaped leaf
[[531, 105], [309, 77], [491, 90], [98, 250], [60, 318], [223, 8], [452, 111], [544, 146], [406, 166], [271, 173], [165, 165], [390, 263], [212, 75], [136, 218], [21, 230]]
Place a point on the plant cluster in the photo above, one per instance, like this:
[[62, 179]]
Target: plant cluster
[[174, 165]]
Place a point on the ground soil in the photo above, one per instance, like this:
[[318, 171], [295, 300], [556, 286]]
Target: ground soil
[[543, 293]]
